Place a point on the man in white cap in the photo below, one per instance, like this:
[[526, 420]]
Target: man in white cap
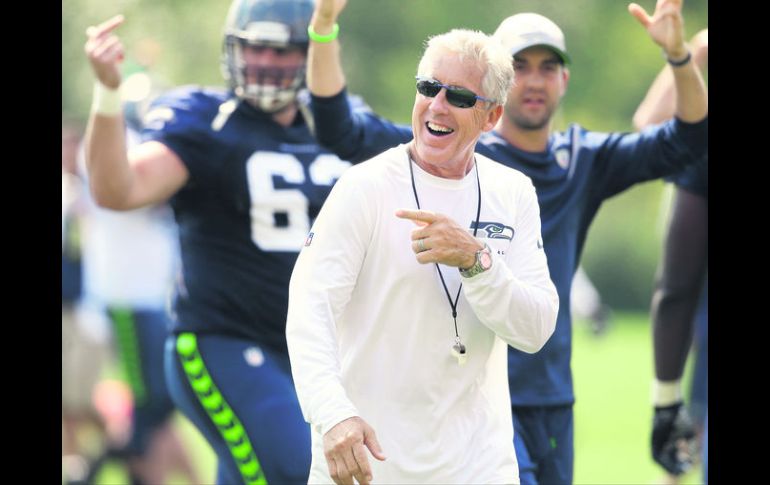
[[524, 30], [573, 172]]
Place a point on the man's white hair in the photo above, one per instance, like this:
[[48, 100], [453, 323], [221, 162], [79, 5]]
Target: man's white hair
[[476, 46]]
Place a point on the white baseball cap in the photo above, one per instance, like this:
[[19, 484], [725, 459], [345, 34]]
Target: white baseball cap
[[524, 30]]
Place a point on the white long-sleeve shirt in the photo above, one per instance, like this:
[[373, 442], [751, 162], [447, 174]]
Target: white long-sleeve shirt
[[370, 329]]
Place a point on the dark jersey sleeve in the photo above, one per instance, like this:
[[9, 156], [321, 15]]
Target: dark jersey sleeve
[[354, 134], [624, 159], [181, 119]]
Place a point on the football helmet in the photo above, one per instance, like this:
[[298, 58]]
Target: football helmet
[[278, 24]]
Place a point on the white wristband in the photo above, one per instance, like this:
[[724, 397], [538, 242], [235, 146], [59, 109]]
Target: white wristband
[[106, 101], [666, 393]]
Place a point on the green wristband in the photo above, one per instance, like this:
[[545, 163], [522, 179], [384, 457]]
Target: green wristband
[[323, 39]]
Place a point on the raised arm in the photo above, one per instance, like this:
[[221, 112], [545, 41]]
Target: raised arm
[[118, 180], [659, 103], [324, 74], [352, 134], [666, 28]]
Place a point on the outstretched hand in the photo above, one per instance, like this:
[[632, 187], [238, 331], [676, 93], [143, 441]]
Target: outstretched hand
[[665, 26], [105, 51]]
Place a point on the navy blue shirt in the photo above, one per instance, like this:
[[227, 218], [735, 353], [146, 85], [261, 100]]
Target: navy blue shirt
[[572, 177], [254, 189]]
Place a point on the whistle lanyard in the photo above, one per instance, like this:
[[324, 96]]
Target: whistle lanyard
[[452, 304]]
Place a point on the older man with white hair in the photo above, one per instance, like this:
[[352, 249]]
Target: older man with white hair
[[392, 348], [574, 172]]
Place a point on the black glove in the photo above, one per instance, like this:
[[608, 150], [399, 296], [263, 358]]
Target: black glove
[[673, 438]]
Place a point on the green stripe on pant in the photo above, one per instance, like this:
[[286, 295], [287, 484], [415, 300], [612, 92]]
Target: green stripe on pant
[[125, 331], [218, 410]]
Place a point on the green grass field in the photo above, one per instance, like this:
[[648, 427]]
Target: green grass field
[[613, 414], [612, 376]]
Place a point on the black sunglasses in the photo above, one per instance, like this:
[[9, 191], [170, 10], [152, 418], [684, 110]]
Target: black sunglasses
[[460, 97]]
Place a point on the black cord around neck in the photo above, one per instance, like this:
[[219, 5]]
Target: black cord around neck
[[475, 229]]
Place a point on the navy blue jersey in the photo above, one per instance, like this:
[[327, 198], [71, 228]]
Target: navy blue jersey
[[254, 189], [576, 173]]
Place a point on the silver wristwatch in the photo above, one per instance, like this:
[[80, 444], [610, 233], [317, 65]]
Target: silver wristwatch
[[483, 263]]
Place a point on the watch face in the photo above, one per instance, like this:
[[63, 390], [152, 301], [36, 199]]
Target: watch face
[[485, 259]]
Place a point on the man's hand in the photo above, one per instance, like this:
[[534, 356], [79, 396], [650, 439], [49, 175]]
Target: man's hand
[[673, 438], [439, 239], [105, 51], [327, 11], [345, 452], [666, 26]]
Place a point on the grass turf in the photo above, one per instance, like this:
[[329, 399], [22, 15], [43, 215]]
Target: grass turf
[[612, 375]]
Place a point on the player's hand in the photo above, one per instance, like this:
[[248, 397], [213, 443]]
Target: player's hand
[[665, 26], [105, 51], [345, 450], [443, 240], [327, 11], [673, 438]]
